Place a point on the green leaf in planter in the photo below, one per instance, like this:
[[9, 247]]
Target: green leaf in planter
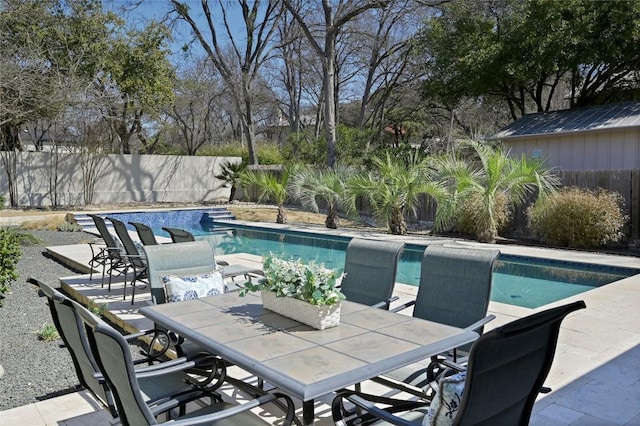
[[311, 282]]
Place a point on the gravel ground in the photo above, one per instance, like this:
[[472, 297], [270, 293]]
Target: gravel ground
[[34, 369]]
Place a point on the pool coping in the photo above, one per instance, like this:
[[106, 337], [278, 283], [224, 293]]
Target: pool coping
[[577, 256]]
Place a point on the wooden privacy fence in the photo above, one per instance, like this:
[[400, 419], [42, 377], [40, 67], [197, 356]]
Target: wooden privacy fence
[[624, 182]]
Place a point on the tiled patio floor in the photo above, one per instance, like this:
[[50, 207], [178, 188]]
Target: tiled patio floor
[[595, 378]]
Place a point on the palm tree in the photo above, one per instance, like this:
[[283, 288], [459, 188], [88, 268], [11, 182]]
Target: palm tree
[[231, 175], [271, 186], [488, 181], [327, 187], [394, 188]]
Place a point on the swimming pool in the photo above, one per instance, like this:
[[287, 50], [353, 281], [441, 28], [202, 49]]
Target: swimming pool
[[522, 281]]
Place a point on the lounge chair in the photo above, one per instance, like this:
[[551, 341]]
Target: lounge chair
[[179, 235], [455, 288], [506, 370], [73, 334], [147, 237], [135, 259], [112, 257], [370, 271], [116, 364]]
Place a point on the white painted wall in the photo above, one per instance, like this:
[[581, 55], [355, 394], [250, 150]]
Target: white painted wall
[[595, 150], [122, 178]]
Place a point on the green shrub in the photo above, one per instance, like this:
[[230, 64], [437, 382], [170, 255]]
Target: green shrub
[[69, 227], [303, 147], [230, 150], [467, 218], [268, 153], [578, 218], [9, 256], [48, 332], [98, 309]]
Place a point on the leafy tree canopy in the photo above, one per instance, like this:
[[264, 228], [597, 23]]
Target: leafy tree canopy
[[537, 55]]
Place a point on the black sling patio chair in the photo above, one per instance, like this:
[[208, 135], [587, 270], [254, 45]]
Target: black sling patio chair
[[73, 334], [135, 259], [112, 254], [147, 237], [455, 289], [229, 271], [506, 370], [116, 364], [370, 271], [179, 235]]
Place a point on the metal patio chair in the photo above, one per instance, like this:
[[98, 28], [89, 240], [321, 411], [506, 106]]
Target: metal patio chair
[[111, 256], [455, 288], [135, 259], [116, 364], [179, 235], [147, 237], [73, 333], [370, 271], [506, 370]]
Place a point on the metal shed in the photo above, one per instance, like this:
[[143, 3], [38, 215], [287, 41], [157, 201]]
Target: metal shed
[[604, 137]]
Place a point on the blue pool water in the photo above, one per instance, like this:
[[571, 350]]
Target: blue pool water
[[520, 281]]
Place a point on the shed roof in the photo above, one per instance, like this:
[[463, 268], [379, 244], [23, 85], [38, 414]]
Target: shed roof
[[612, 116]]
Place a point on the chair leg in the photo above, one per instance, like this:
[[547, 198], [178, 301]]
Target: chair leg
[[124, 288], [104, 271]]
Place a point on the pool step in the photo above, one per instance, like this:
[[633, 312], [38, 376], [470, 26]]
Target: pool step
[[87, 223], [208, 217], [218, 213]]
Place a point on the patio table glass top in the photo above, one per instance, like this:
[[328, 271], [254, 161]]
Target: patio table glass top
[[300, 360]]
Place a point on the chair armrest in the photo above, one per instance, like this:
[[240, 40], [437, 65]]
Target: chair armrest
[[367, 403], [100, 378], [172, 366], [395, 384], [385, 304], [403, 306], [134, 256], [150, 353], [261, 400], [479, 324]]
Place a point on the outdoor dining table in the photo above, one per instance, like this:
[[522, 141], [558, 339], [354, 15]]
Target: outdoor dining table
[[299, 360]]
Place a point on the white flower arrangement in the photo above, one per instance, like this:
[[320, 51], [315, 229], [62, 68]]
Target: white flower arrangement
[[311, 282]]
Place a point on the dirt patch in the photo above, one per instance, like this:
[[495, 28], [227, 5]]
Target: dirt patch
[[293, 216], [250, 212]]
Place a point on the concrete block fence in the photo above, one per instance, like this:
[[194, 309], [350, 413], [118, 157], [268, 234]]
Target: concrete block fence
[[120, 179]]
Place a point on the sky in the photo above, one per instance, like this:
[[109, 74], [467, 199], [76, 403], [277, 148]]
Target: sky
[[138, 12]]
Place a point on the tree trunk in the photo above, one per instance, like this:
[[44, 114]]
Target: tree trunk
[[232, 195], [247, 120], [329, 106], [9, 161], [331, 221], [282, 216], [397, 224]]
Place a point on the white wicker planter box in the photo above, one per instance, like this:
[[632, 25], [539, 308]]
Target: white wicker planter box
[[318, 317]]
